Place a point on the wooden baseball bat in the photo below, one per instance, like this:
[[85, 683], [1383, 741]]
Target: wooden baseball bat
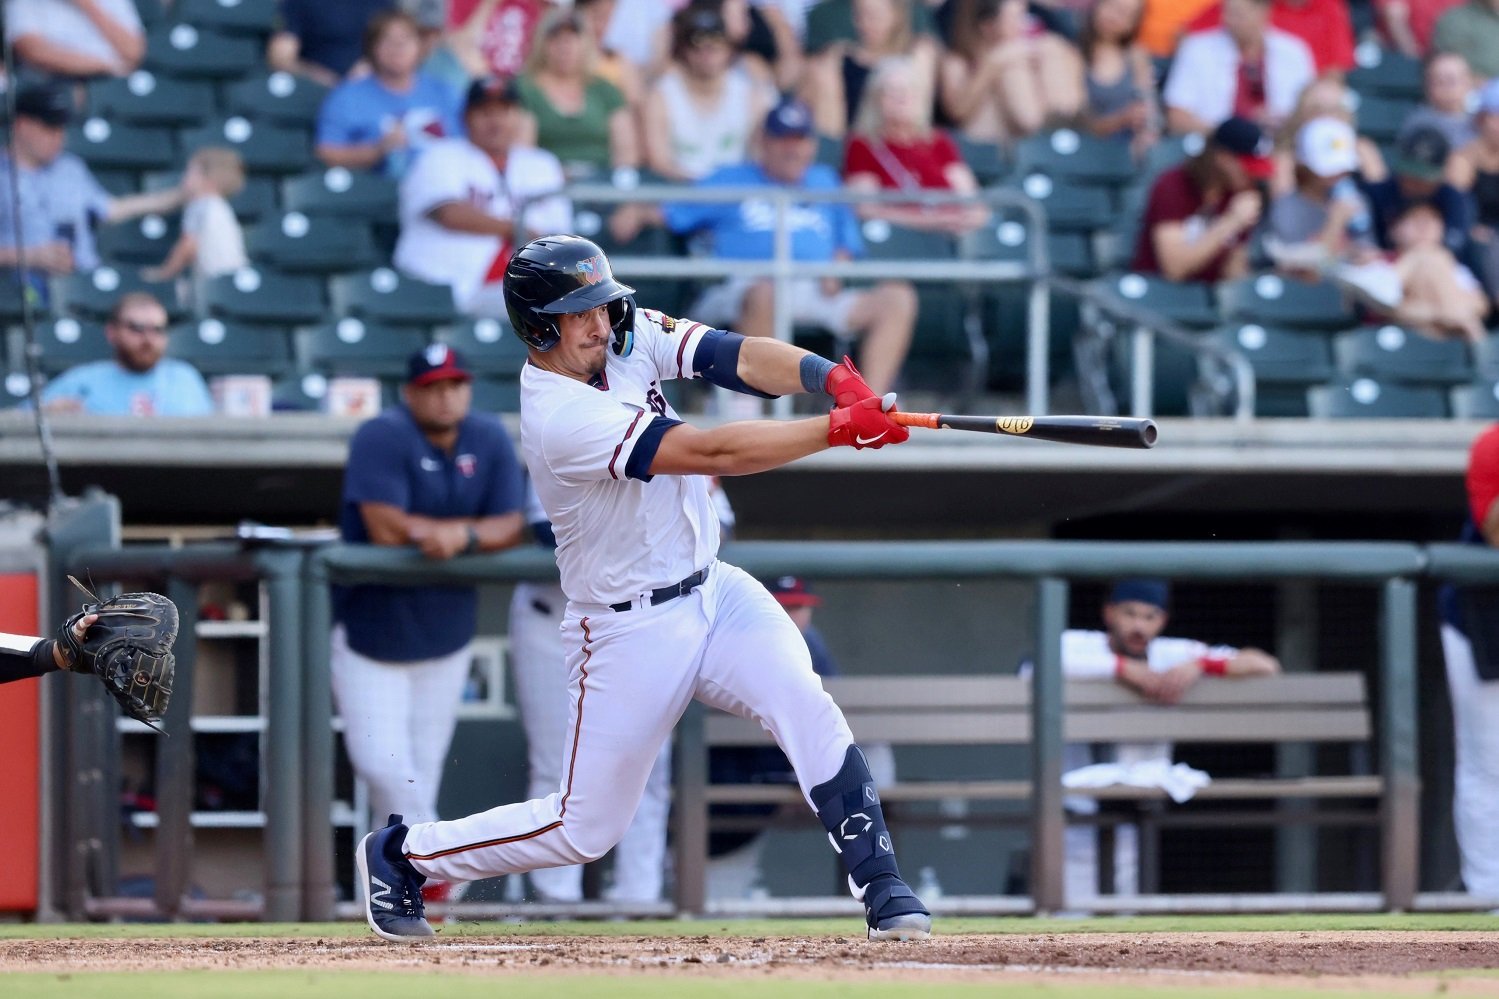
[[1098, 431]]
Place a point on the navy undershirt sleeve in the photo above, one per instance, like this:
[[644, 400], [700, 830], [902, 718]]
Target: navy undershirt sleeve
[[639, 465], [717, 361]]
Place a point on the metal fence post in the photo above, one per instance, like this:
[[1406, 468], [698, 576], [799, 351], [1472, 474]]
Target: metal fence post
[[1048, 820], [176, 761], [1142, 371], [690, 815], [318, 876], [1400, 810], [283, 742]]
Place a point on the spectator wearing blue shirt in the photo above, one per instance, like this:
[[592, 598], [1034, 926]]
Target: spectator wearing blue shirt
[[432, 475], [320, 40], [382, 121], [1416, 176], [882, 316], [140, 380]]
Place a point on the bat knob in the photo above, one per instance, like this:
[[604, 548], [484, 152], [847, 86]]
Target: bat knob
[[887, 402]]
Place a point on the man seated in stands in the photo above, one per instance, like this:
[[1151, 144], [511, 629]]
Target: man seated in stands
[[882, 316], [1200, 215], [1132, 651], [322, 41], [1447, 92], [458, 203], [140, 380], [1416, 173], [60, 201], [76, 38]]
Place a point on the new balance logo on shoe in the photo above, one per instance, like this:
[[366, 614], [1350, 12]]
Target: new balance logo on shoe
[[379, 897]]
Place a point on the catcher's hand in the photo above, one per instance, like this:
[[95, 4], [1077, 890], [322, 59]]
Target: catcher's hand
[[128, 647]]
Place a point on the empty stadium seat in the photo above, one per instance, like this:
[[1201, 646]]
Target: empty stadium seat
[[1189, 303], [1169, 151], [233, 17], [941, 340], [1385, 73], [1174, 373], [301, 244], [265, 147], [67, 341], [1004, 307], [496, 396], [215, 347], [256, 201], [1285, 363], [187, 51], [277, 98], [143, 98], [1476, 401], [92, 295], [1366, 398], [15, 389], [299, 392], [1486, 356], [1067, 155], [490, 346], [106, 145], [1280, 301], [143, 241], [264, 298], [985, 159], [1392, 354], [350, 346], [13, 305], [341, 192], [1069, 207], [389, 297], [1380, 118]]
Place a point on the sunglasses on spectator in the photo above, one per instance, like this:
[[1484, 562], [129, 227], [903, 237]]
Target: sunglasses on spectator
[[135, 327]]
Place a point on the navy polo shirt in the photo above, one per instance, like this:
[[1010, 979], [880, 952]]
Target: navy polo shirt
[[391, 461]]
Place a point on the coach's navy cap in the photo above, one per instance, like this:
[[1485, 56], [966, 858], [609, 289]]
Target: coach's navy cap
[[488, 89], [47, 104], [437, 363], [790, 119], [793, 591], [1155, 592]]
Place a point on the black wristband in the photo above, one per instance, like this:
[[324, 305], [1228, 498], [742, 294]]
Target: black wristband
[[814, 373], [473, 541], [42, 659]]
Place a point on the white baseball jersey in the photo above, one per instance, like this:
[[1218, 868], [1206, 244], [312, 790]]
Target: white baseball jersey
[[620, 532], [457, 170], [1086, 654]]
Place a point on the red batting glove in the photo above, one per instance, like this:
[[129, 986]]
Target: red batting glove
[[846, 385], [865, 424]]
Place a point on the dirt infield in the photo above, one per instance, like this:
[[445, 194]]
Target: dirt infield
[[1397, 962]]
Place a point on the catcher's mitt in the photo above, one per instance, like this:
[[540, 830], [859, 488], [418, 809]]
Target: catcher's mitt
[[129, 648]]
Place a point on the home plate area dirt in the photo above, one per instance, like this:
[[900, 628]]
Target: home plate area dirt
[[1355, 961]]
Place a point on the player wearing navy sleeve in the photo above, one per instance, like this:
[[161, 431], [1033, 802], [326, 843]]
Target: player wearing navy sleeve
[[432, 474]]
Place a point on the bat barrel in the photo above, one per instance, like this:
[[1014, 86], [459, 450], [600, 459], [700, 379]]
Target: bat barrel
[[1095, 431]]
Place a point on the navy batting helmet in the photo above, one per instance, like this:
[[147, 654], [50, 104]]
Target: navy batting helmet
[[559, 275]]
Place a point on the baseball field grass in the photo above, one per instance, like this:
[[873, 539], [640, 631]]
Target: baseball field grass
[[1221, 957]]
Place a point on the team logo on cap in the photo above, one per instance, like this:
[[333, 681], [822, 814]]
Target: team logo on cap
[[593, 269], [436, 354]]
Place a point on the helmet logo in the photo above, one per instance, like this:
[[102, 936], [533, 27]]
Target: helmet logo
[[593, 269]]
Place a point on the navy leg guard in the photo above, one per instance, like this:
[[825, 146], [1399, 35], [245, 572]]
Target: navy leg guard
[[849, 807]]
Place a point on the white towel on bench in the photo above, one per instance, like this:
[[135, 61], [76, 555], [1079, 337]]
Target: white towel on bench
[[1178, 780]]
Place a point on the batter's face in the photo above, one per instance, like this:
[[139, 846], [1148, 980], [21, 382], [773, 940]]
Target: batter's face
[[584, 347], [438, 407], [1132, 625]]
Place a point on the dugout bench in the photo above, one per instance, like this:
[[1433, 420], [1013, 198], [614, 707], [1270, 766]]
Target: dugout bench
[[988, 711]]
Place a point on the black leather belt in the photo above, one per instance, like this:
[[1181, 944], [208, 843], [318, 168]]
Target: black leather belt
[[665, 593]]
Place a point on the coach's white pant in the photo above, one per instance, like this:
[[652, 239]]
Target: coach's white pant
[[541, 689], [1475, 792], [631, 675], [398, 722]]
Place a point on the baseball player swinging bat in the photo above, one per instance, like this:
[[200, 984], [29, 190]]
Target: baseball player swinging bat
[[1099, 431]]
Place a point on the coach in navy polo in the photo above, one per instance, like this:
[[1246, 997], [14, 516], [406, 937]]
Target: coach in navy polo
[[433, 475]]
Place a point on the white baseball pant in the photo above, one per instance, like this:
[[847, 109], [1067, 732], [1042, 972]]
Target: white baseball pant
[[541, 689], [399, 719], [631, 675], [1475, 791]]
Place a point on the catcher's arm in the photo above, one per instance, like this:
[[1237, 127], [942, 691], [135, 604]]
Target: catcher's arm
[[26, 656]]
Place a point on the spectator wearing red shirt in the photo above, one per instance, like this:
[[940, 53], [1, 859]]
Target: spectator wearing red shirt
[[1407, 25], [493, 37], [1324, 25], [1200, 215], [895, 148]]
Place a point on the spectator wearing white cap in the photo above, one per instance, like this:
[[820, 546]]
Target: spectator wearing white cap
[[1325, 220], [1475, 169]]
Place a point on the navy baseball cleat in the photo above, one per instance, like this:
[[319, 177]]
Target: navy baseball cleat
[[392, 887], [893, 911]]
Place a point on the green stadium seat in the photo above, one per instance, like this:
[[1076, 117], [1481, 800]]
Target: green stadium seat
[[385, 296], [299, 393], [1385, 73], [493, 395], [256, 201], [1476, 401], [13, 305], [215, 347], [265, 298], [118, 182], [1071, 156], [490, 345], [1188, 303], [942, 343], [1169, 151], [67, 342], [985, 159], [1285, 363], [92, 295], [342, 193], [183, 50], [1486, 356], [349, 346], [1392, 354], [106, 145], [1278, 301], [145, 241], [1069, 207], [143, 98], [276, 98], [15, 389], [152, 12], [1380, 118], [1367, 398], [1175, 373], [233, 17], [299, 244], [264, 146], [830, 152]]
